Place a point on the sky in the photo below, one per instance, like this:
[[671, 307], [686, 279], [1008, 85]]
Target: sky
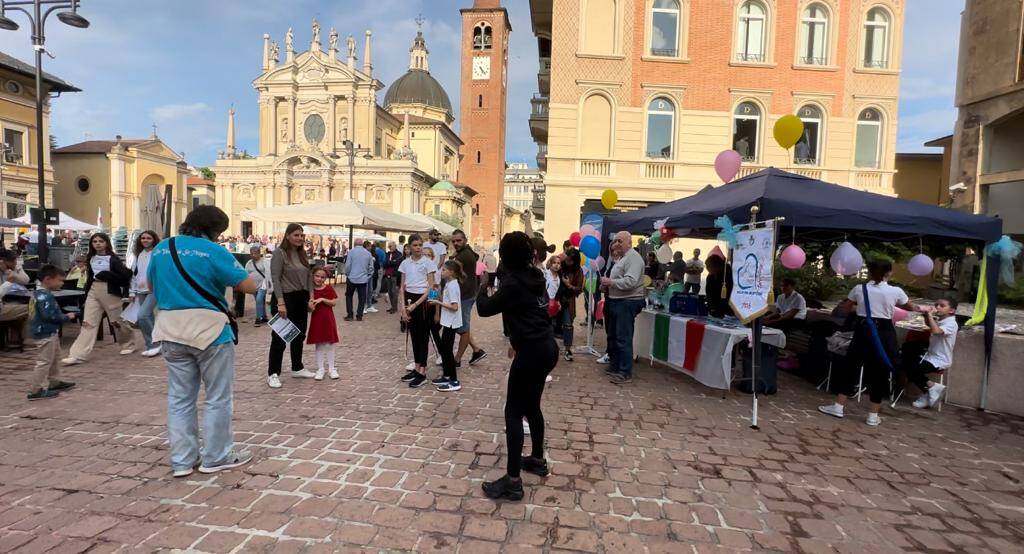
[[180, 65]]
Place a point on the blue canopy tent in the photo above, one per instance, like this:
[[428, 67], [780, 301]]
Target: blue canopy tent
[[819, 211]]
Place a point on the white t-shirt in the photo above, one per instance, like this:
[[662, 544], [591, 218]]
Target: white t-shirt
[[99, 264], [440, 251], [552, 281], [884, 297], [940, 347], [692, 265], [414, 273], [452, 294], [794, 301], [139, 281]]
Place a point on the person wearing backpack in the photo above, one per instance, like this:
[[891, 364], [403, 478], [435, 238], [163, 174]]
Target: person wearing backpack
[[189, 274]]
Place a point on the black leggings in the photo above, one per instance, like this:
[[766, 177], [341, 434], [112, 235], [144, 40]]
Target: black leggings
[[420, 321], [526, 378], [445, 346], [862, 351], [917, 373], [297, 304]]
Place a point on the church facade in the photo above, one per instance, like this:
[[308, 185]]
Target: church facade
[[324, 137]]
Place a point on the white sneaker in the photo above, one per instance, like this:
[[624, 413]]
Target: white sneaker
[[71, 361], [303, 374], [274, 381], [604, 359], [319, 374], [155, 351], [873, 420], [439, 360], [333, 373], [370, 310], [921, 402], [834, 409], [526, 427], [127, 350], [411, 366], [549, 378], [934, 393]]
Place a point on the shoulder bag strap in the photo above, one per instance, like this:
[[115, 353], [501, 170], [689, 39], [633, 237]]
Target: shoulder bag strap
[[219, 303], [875, 339]]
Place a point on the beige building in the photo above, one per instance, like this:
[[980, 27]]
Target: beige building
[[522, 183], [19, 185], [312, 104], [451, 203], [127, 181], [641, 95], [988, 144]]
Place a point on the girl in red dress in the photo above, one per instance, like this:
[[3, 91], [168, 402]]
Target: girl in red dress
[[323, 329]]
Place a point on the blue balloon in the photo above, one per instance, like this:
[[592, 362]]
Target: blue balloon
[[590, 246]]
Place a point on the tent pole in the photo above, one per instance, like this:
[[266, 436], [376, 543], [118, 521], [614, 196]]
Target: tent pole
[[755, 364]]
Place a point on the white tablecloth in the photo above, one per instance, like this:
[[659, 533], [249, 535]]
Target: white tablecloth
[[713, 365]]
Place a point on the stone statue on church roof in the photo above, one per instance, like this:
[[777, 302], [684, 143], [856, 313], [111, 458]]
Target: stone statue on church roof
[[334, 39], [316, 33], [289, 41], [275, 52], [350, 42]]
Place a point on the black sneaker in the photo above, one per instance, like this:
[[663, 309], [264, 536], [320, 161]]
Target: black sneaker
[[258, 323], [234, 460], [506, 487], [477, 356], [409, 376], [43, 394], [620, 378], [567, 356], [439, 381], [61, 386], [359, 318], [418, 381], [449, 386], [348, 318], [536, 466]]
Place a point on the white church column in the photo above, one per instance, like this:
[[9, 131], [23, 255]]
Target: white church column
[[332, 127]]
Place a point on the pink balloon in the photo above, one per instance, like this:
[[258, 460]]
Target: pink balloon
[[727, 165], [793, 257], [599, 261], [846, 260], [590, 230], [481, 268], [899, 314], [920, 265]]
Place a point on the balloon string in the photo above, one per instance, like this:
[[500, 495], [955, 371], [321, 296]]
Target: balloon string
[[794, 235]]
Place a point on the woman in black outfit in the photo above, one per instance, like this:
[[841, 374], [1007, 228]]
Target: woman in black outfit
[[522, 302]]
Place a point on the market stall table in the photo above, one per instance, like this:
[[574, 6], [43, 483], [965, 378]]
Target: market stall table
[[65, 297], [700, 347]]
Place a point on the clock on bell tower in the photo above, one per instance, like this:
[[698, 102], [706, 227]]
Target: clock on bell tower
[[485, 31]]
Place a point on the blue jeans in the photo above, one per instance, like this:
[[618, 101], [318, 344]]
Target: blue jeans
[[620, 316], [261, 304], [186, 368], [147, 303], [565, 318]]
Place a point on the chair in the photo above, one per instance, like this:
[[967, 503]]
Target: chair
[[942, 381]]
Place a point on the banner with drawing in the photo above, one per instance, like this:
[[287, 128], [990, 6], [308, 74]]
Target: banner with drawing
[[752, 265]]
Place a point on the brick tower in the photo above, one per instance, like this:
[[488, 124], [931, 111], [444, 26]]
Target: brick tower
[[485, 30]]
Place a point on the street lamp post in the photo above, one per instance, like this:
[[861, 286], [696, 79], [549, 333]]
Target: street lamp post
[[37, 17], [350, 151]]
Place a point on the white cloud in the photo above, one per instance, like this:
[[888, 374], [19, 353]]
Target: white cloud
[[917, 88], [170, 112]]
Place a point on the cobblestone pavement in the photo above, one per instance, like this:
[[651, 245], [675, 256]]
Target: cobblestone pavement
[[366, 464]]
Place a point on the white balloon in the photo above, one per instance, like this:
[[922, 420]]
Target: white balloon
[[664, 254], [846, 260]]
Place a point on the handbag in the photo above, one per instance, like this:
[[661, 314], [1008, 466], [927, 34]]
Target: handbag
[[873, 331], [219, 303]]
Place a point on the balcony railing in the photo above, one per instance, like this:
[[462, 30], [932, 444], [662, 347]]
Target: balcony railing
[[876, 64], [539, 106], [594, 168], [665, 52], [868, 180], [812, 173], [655, 170], [813, 60], [748, 57], [545, 65], [748, 170]]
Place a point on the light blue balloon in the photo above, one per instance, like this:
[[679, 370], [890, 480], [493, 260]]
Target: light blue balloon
[[590, 246]]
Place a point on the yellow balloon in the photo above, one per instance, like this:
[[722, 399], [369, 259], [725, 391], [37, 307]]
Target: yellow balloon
[[647, 280], [788, 130], [609, 198]]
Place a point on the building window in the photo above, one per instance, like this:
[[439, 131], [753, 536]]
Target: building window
[[477, 156], [814, 36], [808, 148], [746, 127], [17, 205], [876, 39], [750, 33], [82, 184], [661, 114], [665, 28], [437, 209], [480, 101], [869, 139], [483, 37], [599, 27], [14, 147]]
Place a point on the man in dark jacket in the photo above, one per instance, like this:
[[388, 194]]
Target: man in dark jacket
[[465, 256]]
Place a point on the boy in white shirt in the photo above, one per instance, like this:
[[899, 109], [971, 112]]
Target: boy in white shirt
[[943, 327], [790, 308]]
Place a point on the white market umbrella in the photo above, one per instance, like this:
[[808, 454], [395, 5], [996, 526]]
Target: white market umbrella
[[444, 228], [343, 212], [67, 223]]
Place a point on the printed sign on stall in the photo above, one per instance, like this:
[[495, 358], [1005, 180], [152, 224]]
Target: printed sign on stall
[[752, 265]]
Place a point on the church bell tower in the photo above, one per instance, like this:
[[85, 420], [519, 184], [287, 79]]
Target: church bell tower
[[485, 31]]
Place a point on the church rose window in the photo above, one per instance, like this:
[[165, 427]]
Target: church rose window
[[314, 128]]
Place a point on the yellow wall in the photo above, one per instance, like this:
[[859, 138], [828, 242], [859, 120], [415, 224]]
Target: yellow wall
[[18, 111], [921, 178], [83, 206]]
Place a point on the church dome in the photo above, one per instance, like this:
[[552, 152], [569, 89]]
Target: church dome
[[443, 185], [417, 86]]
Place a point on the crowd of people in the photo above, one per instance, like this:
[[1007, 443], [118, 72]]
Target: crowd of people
[[175, 291]]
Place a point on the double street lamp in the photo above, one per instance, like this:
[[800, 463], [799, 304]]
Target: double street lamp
[[34, 10], [350, 151]]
